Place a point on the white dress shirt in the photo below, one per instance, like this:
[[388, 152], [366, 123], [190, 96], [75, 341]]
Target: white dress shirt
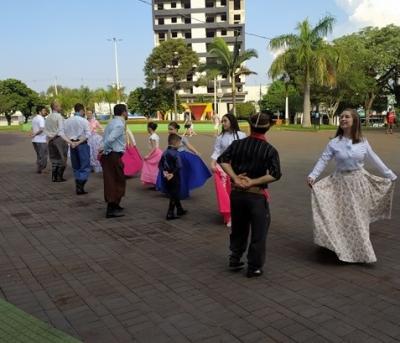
[[54, 125], [155, 138], [76, 127], [349, 156], [38, 123], [224, 141]]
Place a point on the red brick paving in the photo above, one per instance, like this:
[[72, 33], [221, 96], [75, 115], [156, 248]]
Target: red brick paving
[[142, 279]]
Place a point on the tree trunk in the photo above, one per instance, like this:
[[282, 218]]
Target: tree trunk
[[234, 94], [368, 106], [175, 105], [306, 104]]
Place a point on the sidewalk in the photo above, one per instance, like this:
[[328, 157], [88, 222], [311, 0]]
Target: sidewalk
[[142, 279]]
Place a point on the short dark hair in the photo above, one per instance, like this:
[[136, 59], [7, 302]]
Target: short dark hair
[[78, 107], [174, 125], [173, 138], [119, 109], [40, 108], [152, 126], [261, 122]]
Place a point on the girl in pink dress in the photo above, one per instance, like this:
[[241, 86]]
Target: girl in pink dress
[[230, 132], [95, 141], [150, 161]]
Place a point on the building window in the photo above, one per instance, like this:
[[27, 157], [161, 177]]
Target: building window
[[173, 20], [209, 4], [210, 33], [210, 19], [223, 2], [160, 6], [188, 34], [210, 89], [223, 17], [186, 4], [223, 32], [173, 4], [174, 34], [236, 17], [236, 5], [189, 45], [161, 35], [160, 21], [237, 32], [187, 20]]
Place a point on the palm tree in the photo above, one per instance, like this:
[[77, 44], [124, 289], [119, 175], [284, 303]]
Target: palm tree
[[311, 53], [229, 63]]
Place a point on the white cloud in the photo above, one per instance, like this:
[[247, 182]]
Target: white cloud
[[371, 12]]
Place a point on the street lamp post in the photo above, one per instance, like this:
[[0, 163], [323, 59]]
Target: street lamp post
[[115, 40], [286, 80]]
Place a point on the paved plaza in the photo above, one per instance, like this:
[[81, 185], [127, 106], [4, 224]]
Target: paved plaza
[[141, 279]]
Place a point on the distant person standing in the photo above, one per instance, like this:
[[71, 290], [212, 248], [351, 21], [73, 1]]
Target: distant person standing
[[95, 141], [77, 129], [39, 139], [390, 119], [113, 168], [57, 142], [216, 122]]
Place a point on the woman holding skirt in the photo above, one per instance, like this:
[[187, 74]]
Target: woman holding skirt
[[95, 141], [346, 202], [150, 163], [194, 172], [230, 132]]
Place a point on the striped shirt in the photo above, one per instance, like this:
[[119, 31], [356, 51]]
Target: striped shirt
[[252, 156]]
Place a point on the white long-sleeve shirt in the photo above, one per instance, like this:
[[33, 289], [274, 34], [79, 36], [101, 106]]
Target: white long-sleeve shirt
[[349, 156], [224, 141], [77, 127]]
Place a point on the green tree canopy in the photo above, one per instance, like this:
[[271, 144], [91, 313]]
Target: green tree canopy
[[312, 55], [17, 96], [229, 63]]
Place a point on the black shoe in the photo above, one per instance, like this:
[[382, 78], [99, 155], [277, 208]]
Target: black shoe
[[254, 273], [114, 214], [54, 174], [119, 208], [235, 265], [80, 187], [171, 216], [181, 212], [60, 174]]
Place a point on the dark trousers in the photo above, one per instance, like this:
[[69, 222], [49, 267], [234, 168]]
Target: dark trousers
[[173, 190], [58, 151], [80, 160], [249, 213], [114, 178], [41, 155]]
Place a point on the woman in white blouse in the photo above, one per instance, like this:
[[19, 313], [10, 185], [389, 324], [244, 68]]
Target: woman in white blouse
[[346, 202], [230, 132]]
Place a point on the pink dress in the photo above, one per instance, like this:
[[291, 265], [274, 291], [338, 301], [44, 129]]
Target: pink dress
[[222, 180], [150, 165], [131, 158]]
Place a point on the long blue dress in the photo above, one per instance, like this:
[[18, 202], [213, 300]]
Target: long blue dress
[[194, 172]]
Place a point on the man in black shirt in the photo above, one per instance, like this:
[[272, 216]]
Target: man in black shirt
[[252, 163]]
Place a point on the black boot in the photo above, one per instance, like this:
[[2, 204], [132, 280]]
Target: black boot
[[112, 212], [54, 173], [60, 174], [171, 210], [80, 187], [179, 209]]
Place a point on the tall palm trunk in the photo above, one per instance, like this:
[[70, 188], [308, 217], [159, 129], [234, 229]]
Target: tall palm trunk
[[306, 103], [233, 94]]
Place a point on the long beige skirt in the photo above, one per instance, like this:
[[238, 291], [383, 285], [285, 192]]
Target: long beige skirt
[[343, 206]]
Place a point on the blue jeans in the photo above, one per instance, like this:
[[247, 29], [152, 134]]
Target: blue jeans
[[80, 160]]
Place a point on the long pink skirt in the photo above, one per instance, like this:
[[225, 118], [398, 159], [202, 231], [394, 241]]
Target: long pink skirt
[[223, 191], [132, 160], [150, 168]]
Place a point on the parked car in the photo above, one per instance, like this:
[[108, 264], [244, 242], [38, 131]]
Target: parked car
[[136, 116]]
